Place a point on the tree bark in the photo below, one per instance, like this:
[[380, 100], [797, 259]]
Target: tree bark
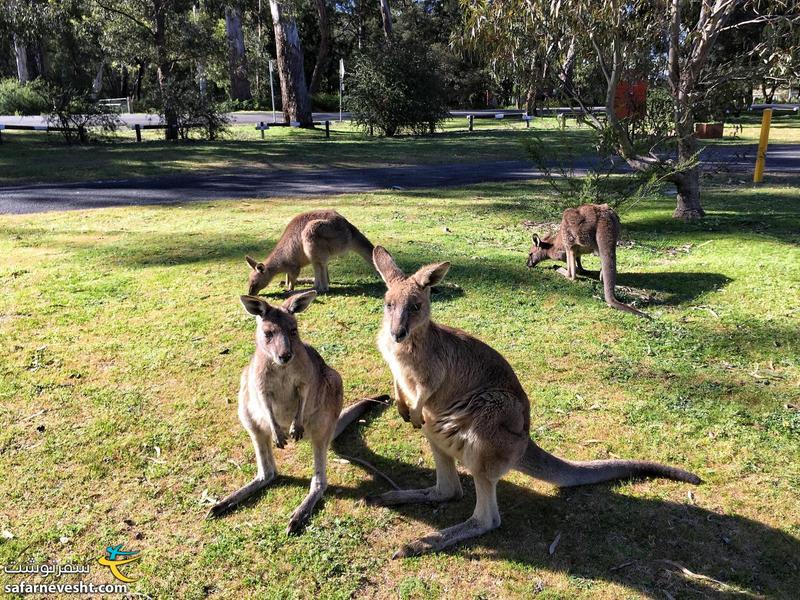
[[386, 18], [294, 93], [323, 52], [21, 53], [163, 71], [97, 84], [237, 60]]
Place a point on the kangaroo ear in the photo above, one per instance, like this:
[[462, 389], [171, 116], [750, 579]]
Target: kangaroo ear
[[255, 306], [251, 261], [431, 274], [537, 241], [386, 267], [299, 302]]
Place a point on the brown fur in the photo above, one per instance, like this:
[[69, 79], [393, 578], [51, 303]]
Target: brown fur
[[311, 238], [471, 407], [287, 387], [586, 229]]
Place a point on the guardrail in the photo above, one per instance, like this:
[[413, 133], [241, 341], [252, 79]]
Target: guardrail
[[137, 128]]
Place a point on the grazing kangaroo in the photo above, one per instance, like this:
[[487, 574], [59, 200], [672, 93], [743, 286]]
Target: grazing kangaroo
[[287, 386], [310, 238], [588, 228], [471, 407]]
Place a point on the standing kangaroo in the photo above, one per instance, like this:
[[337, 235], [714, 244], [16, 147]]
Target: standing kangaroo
[[310, 238], [471, 407], [287, 387], [588, 228]]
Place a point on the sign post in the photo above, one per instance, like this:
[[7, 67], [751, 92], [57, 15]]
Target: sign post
[[761, 157], [341, 86], [271, 91]]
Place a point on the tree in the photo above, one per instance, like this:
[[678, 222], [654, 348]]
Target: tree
[[386, 19], [624, 39], [237, 61], [324, 48], [296, 104]]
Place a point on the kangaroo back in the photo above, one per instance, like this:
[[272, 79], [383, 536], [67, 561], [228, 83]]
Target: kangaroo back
[[565, 473], [607, 234]]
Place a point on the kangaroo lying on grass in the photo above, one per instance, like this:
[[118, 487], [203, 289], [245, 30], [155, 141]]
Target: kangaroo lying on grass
[[288, 387], [471, 407], [310, 238], [588, 228]]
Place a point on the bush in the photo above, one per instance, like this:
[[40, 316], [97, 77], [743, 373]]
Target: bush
[[325, 102], [20, 99], [75, 111], [193, 110], [397, 88]]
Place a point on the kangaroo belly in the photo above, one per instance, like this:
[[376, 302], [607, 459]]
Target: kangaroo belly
[[281, 394]]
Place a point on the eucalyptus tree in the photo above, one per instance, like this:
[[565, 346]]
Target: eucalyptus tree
[[289, 51], [663, 41]]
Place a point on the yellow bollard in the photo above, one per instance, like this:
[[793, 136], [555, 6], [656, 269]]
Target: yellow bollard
[[766, 118]]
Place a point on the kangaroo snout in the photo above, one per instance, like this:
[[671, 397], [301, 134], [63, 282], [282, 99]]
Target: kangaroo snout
[[285, 357], [400, 334]]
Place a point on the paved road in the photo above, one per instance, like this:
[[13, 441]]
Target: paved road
[[265, 183]]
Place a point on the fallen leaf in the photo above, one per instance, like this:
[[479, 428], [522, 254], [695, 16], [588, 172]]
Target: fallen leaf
[[554, 545]]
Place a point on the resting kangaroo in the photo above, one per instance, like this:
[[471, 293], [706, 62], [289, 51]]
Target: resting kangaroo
[[588, 228], [287, 387], [471, 407], [310, 238]]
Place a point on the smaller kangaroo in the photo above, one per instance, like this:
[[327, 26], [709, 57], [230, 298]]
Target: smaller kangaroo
[[310, 238], [588, 228], [287, 386]]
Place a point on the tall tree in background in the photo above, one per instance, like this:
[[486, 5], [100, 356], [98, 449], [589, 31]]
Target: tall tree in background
[[296, 103], [237, 60], [324, 48], [21, 55], [386, 18]]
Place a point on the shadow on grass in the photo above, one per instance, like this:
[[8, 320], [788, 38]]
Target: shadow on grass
[[639, 543], [633, 542]]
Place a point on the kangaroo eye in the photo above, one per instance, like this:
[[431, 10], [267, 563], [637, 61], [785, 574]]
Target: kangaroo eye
[[389, 305], [268, 337], [414, 307]]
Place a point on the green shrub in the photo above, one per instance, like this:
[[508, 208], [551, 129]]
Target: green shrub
[[325, 102], [75, 111], [397, 88], [20, 99]]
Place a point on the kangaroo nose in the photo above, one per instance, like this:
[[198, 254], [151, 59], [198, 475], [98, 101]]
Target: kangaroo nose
[[285, 357], [400, 334]]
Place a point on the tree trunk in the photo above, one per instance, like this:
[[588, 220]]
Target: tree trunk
[[237, 62], [688, 182], [21, 53], [296, 106], [97, 84], [163, 73], [386, 18], [323, 52]]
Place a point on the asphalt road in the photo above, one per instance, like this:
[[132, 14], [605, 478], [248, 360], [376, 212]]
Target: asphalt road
[[266, 183]]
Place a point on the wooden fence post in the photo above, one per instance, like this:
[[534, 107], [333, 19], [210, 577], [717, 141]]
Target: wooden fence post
[[138, 129]]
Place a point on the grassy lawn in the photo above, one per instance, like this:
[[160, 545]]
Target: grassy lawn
[[38, 157], [122, 340]]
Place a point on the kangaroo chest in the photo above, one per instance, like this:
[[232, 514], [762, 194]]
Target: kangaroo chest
[[413, 378], [281, 389]]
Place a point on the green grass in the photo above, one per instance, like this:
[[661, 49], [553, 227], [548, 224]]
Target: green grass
[[40, 157], [122, 340]]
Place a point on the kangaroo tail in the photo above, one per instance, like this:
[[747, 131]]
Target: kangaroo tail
[[362, 245], [608, 269], [354, 411], [565, 473]]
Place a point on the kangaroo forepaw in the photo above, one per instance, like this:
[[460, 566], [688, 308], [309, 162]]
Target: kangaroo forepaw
[[296, 432], [376, 500], [280, 438]]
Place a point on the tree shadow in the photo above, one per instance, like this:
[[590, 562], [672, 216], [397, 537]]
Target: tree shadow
[[639, 543]]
